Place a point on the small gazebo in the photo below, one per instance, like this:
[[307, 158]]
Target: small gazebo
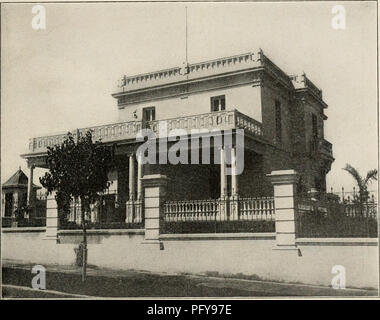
[[14, 193]]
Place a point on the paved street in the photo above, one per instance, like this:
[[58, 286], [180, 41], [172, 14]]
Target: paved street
[[65, 282]]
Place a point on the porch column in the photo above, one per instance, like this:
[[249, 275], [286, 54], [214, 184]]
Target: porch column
[[138, 203], [284, 184], [3, 204], [132, 177], [222, 214], [30, 184], [139, 176], [234, 177], [223, 178], [155, 188], [51, 218], [234, 203]]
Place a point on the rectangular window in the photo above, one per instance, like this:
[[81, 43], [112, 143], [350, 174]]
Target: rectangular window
[[314, 123], [149, 114], [278, 120], [218, 103]]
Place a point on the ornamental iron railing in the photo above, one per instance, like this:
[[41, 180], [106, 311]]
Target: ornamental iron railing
[[331, 218]]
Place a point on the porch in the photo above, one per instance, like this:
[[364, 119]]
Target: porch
[[199, 198], [205, 182]]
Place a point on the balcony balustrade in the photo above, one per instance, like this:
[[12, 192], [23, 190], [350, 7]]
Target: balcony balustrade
[[222, 120], [325, 147], [321, 146]]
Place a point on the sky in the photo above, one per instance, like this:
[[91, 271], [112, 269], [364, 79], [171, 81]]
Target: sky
[[61, 78]]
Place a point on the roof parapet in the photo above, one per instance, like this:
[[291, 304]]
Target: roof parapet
[[303, 82], [190, 71]]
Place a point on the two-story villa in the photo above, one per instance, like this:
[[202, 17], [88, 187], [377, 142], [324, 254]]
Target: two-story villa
[[282, 117]]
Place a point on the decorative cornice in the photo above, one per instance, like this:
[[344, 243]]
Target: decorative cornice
[[162, 88]]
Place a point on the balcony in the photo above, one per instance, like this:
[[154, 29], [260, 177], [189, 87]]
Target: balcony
[[223, 120], [325, 148], [322, 147]]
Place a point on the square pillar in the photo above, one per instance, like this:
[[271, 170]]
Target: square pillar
[[284, 185], [155, 187], [51, 232]]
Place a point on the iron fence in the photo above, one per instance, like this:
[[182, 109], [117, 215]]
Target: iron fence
[[107, 213], [349, 196], [327, 218], [26, 215], [13, 222]]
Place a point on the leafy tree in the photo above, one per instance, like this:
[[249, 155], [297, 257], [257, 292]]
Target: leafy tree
[[78, 170], [362, 182]]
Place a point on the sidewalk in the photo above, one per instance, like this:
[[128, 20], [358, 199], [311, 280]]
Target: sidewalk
[[133, 283]]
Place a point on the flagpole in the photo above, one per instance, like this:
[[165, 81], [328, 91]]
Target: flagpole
[[186, 33]]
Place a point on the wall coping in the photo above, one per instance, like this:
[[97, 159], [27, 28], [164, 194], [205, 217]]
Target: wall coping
[[154, 180], [338, 241], [211, 236], [23, 229], [283, 177], [219, 236]]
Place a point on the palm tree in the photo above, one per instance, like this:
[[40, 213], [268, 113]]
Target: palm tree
[[362, 182]]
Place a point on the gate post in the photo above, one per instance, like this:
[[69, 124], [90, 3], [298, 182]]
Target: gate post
[[154, 187], [51, 232], [284, 185]]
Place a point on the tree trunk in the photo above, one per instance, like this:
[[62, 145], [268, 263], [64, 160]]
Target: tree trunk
[[84, 256]]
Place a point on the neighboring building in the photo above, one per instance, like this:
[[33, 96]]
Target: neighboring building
[[282, 117], [14, 194]]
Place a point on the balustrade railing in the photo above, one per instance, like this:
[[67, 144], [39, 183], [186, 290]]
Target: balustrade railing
[[322, 146], [326, 147], [219, 215], [222, 120], [245, 60], [106, 133], [134, 211], [194, 210], [256, 209]]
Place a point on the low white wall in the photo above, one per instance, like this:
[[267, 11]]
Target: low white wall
[[248, 255]]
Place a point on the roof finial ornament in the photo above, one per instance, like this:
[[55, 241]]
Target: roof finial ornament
[[122, 82]]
